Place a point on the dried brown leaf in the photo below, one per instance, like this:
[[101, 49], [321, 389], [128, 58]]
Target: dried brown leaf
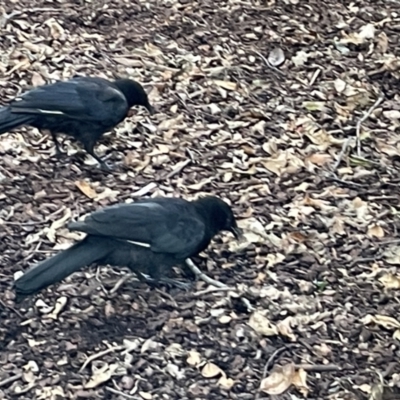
[[226, 383], [58, 307], [390, 281], [210, 370], [86, 189], [279, 380], [101, 375], [262, 325], [300, 381], [376, 231], [194, 358]]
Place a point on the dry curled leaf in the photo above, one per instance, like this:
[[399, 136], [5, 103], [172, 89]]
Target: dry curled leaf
[[262, 325], [381, 320], [58, 307], [300, 381], [375, 231], [86, 189], [279, 380], [194, 358], [101, 375], [210, 370], [390, 281], [226, 383]]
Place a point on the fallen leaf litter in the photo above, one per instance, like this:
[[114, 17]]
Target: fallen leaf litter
[[288, 109]]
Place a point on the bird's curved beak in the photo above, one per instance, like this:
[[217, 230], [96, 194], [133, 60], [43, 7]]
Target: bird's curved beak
[[237, 232]]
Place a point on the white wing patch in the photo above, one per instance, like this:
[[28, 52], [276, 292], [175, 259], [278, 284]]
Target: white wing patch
[[35, 111], [50, 112], [139, 244], [148, 205]]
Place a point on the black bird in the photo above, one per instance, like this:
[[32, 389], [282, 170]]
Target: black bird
[[149, 236], [82, 107]]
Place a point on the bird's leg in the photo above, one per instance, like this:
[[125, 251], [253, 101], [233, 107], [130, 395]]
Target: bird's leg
[[167, 281], [176, 283], [188, 273], [156, 281], [59, 153], [89, 147]]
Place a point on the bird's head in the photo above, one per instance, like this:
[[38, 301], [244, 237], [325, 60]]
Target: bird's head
[[220, 215], [134, 93]]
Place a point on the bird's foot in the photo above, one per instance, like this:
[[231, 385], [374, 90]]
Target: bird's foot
[[177, 284], [60, 154], [166, 281], [106, 167], [188, 273]]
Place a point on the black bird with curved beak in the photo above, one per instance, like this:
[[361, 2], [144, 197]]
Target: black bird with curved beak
[[82, 107], [149, 236]]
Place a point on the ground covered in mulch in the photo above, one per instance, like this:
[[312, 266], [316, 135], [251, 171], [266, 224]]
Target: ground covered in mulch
[[288, 109]]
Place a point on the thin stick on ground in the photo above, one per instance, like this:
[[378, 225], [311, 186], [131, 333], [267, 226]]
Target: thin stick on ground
[[203, 276], [343, 151], [120, 393], [268, 64], [177, 169], [98, 355], [217, 284], [319, 367], [364, 118], [11, 379], [212, 290]]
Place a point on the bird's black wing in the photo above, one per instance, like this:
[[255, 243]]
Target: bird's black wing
[[164, 226], [89, 99]]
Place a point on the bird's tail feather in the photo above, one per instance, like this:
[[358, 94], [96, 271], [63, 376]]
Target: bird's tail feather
[[10, 120], [60, 266]]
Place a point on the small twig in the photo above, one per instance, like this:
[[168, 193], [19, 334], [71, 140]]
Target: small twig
[[314, 77], [392, 241], [364, 118], [348, 183], [362, 159], [363, 260], [203, 276], [5, 18], [319, 367], [217, 284], [383, 197], [271, 359], [268, 63], [11, 379], [98, 355], [168, 296], [191, 156], [212, 290], [10, 308], [144, 190], [247, 303], [178, 168], [28, 388], [120, 282], [126, 395], [344, 148]]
